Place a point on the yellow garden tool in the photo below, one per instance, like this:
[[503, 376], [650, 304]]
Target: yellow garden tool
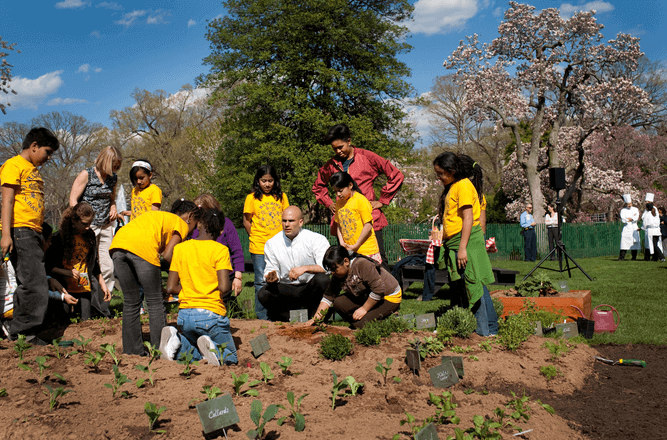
[[631, 362]]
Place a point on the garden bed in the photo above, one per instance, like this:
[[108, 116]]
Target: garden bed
[[91, 411], [559, 303]]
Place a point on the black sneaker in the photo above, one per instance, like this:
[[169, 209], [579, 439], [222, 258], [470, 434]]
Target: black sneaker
[[34, 340]]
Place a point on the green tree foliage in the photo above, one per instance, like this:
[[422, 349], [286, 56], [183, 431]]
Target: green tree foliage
[[289, 70]]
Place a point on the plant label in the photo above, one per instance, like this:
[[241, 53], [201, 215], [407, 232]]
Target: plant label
[[300, 315], [413, 360], [410, 319], [538, 328], [444, 375], [425, 321], [217, 413], [427, 433], [259, 345], [457, 361], [570, 329]]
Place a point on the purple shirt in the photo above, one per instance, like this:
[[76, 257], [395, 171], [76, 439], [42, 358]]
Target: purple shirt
[[230, 238]]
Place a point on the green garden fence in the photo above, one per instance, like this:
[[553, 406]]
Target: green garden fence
[[582, 240]]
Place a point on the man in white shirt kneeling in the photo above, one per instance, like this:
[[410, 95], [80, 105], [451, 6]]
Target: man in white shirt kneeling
[[295, 278]]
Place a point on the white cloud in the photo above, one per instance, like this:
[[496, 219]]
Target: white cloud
[[110, 5], [567, 10], [97, 69], [95, 34], [418, 117], [498, 12], [66, 101], [157, 17], [71, 4], [191, 22], [129, 18], [441, 16], [31, 92], [83, 68]]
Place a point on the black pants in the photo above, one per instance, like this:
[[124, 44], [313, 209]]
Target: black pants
[[347, 304], [280, 298], [621, 256], [31, 298], [553, 238], [379, 236], [657, 253], [529, 244]]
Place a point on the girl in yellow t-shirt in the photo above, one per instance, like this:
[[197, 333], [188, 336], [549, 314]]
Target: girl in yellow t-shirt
[[262, 219], [72, 258], [145, 195], [136, 251], [354, 217], [199, 274]]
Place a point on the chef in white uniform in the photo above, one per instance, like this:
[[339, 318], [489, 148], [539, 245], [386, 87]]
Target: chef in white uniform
[[651, 227], [630, 240]]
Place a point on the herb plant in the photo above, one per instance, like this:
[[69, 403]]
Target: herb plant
[[186, 359], [460, 320], [153, 355], [54, 395], [483, 429], [414, 427], [519, 406], [446, 410], [384, 369], [38, 370], [211, 392], [550, 371], [260, 419], [153, 413], [266, 372], [284, 363], [335, 347], [336, 389], [119, 379], [241, 380], [82, 343], [93, 359], [299, 419], [20, 346], [111, 349]]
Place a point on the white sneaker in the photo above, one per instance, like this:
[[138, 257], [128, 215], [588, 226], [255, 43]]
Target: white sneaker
[[169, 342], [205, 345]]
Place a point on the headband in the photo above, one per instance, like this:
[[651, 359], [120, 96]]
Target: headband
[[143, 164], [473, 165]]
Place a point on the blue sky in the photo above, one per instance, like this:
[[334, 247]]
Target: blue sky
[[87, 56]]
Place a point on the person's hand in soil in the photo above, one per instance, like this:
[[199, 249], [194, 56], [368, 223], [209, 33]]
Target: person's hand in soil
[[271, 277]]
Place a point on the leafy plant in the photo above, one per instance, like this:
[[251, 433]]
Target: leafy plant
[[515, 330], [384, 369], [429, 347], [111, 349], [473, 358], [39, 369], [21, 346], [320, 321], [93, 358], [211, 392], [153, 355], [519, 406], [483, 429], [54, 395], [284, 363], [56, 348], [498, 306], [468, 391], [537, 284], [153, 413], [458, 319], [260, 419], [445, 335], [83, 343], [354, 385], [459, 349], [119, 379], [337, 388], [266, 372], [299, 419], [547, 408], [501, 413], [241, 380], [3, 392], [486, 346], [549, 371], [186, 359], [414, 428], [446, 410], [368, 335], [556, 349], [335, 347]]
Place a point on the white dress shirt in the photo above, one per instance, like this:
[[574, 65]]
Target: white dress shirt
[[282, 254]]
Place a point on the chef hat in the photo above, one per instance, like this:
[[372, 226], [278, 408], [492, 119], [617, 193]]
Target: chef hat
[[649, 197], [627, 198]]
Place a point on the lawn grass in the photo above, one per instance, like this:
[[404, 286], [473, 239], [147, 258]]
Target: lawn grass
[[637, 289]]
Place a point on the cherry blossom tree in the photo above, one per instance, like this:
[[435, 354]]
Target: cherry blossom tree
[[5, 72], [552, 73]]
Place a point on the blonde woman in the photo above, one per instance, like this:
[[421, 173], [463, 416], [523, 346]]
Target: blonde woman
[[97, 187]]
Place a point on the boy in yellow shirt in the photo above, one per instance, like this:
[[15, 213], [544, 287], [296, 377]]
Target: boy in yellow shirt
[[22, 217]]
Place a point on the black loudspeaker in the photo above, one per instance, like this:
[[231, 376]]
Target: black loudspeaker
[[557, 178]]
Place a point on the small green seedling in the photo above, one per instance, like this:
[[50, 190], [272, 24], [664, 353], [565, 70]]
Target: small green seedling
[[547, 408], [260, 419], [284, 363], [211, 392], [56, 348], [220, 351], [501, 413], [355, 387], [3, 392], [241, 380], [153, 413], [320, 323], [93, 359], [474, 358], [556, 349], [153, 355], [430, 346], [54, 395], [384, 369], [519, 406], [337, 387], [446, 410], [484, 429], [550, 371], [299, 419], [21, 346], [83, 343], [486, 346], [414, 428], [60, 378], [459, 349], [118, 380], [186, 359], [40, 362], [266, 372], [111, 349], [468, 391]]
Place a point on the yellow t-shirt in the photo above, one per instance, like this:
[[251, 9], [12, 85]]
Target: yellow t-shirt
[[482, 205], [143, 199], [351, 216], [29, 198], [148, 235], [461, 193], [197, 263], [267, 217], [79, 261]]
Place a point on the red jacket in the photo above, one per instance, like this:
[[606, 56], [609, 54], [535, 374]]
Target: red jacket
[[364, 169]]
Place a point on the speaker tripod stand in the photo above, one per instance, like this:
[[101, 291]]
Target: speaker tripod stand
[[559, 248]]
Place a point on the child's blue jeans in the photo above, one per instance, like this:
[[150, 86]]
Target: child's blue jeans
[[259, 264], [194, 323]]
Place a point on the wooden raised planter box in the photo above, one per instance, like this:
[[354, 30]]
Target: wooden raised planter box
[[558, 304]]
